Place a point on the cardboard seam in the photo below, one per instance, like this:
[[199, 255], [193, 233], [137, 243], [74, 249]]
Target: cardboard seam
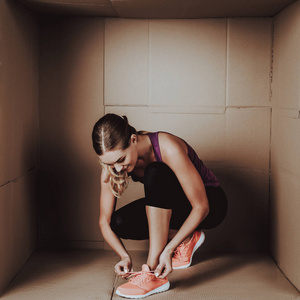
[[280, 170], [227, 58], [79, 4], [229, 167], [4, 184], [290, 113], [114, 286], [75, 244], [283, 273], [270, 133], [248, 107], [187, 109], [164, 109]]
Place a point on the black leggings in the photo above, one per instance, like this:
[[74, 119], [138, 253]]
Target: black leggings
[[163, 190]]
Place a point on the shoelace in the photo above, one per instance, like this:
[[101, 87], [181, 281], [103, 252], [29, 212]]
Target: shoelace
[[180, 252], [141, 277]]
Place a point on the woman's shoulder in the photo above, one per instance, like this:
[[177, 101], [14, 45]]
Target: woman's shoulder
[[104, 176], [171, 144]]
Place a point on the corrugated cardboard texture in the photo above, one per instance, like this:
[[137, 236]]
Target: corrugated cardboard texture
[[71, 101], [78, 275], [19, 137], [285, 164]]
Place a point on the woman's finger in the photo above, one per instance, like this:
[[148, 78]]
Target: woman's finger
[[158, 270], [165, 271]]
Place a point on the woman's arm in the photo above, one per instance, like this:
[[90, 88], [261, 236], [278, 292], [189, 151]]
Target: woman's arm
[[174, 154], [107, 207]]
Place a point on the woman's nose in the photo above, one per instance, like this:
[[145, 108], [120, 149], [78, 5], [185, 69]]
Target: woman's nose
[[118, 167]]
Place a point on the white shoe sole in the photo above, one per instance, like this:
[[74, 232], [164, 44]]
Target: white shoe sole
[[198, 244], [160, 289]]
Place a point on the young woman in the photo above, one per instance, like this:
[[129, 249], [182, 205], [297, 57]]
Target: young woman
[[182, 197]]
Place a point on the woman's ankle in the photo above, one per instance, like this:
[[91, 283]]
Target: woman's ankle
[[188, 238]]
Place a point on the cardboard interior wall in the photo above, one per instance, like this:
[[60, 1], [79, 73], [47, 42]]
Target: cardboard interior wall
[[285, 164], [219, 88], [71, 100], [19, 137], [162, 74]]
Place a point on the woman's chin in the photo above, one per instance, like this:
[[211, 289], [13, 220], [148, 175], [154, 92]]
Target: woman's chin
[[129, 169]]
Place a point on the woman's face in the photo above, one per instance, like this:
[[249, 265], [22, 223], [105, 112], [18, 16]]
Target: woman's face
[[122, 160]]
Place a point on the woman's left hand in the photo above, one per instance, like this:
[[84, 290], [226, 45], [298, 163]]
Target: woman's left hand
[[164, 267]]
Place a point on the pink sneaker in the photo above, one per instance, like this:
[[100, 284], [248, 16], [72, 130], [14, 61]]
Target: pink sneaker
[[183, 254], [142, 284]]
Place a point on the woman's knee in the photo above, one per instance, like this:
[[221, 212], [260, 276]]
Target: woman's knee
[[162, 188], [117, 223], [155, 171]]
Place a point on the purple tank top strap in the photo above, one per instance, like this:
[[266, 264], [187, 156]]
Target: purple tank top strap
[[154, 140]]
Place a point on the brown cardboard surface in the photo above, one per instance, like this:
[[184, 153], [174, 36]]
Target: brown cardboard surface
[[126, 62], [225, 276], [285, 189], [248, 138], [285, 227], [74, 275], [249, 62], [19, 91], [23, 219], [246, 226], [6, 92], [78, 275], [99, 8], [286, 92], [25, 92], [5, 235], [19, 116], [285, 145], [71, 101], [209, 144], [168, 9], [285, 163], [187, 60]]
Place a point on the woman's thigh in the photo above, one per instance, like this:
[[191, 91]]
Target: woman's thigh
[[130, 221], [164, 190]]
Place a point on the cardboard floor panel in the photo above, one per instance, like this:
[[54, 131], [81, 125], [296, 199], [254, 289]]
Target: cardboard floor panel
[[224, 277], [72, 274], [88, 274]]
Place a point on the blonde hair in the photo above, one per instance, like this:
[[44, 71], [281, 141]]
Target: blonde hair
[[118, 181], [113, 132]]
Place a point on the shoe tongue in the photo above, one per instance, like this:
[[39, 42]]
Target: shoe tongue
[[145, 268]]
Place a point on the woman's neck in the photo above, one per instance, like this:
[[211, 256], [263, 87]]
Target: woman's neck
[[144, 148]]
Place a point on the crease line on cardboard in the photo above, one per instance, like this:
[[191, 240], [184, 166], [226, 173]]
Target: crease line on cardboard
[[4, 184], [227, 62], [291, 113]]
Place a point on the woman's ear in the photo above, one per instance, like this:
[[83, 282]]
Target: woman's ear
[[133, 138]]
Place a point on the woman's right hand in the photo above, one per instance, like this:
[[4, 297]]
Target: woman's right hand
[[123, 267]]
